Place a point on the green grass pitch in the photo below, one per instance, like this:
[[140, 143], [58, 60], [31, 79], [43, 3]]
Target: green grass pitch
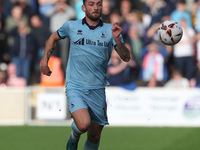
[[113, 138]]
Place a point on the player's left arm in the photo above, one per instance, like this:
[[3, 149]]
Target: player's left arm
[[121, 49]]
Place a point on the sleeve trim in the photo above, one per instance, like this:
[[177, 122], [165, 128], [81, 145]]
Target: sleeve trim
[[59, 35]]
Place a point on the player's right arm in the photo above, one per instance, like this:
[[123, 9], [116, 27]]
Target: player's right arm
[[49, 48]]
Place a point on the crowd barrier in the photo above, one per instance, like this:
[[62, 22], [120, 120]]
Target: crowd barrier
[[37, 105]]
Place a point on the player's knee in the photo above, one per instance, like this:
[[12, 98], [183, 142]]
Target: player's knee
[[83, 127]]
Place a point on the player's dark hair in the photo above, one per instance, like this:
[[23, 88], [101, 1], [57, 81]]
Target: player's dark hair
[[84, 1], [182, 1]]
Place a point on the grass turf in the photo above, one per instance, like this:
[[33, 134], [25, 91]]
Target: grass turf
[[113, 138]]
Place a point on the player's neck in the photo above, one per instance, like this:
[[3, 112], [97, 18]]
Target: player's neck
[[91, 22]]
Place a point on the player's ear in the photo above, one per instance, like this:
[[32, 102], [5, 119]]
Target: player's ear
[[83, 8]]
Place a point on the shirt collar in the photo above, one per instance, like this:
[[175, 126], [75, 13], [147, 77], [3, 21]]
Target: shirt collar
[[92, 27]]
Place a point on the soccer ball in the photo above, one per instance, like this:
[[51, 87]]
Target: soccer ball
[[170, 32]]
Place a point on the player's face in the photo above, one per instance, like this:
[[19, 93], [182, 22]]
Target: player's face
[[93, 9]]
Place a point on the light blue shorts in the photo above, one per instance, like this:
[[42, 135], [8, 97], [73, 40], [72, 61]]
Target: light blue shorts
[[94, 100]]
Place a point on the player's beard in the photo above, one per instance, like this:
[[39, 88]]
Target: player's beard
[[93, 16]]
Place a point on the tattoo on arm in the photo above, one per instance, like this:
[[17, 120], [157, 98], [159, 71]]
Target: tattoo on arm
[[123, 52], [50, 51]]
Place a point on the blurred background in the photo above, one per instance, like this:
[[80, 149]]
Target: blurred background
[[158, 87]]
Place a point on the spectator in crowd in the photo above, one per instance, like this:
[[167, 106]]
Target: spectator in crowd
[[59, 14], [153, 63], [106, 11], [22, 51], [133, 18], [41, 34], [136, 43], [16, 16], [7, 6], [79, 13], [115, 17], [12, 78], [177, 81], [195, 14], [153, 12], [125, 9], [184, 51], [26, 8], [120, 73], [181, 12], [12, 21], [44, 6]]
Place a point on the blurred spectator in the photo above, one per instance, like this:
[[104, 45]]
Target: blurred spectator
[[44, 7], [177, 80], [136, 43], [153, 63], [4, 54], [184, 51], [195, 14], [16, 16], [7, 5], [41, 34], [106, 11], [151, 34], [153, 12], [59, 14], [115, 17], [26, 8], [125, 9], [12, 21], [181, 12], [13, 80], [133, 18], [79, 13], [121, 73], [22, 51]]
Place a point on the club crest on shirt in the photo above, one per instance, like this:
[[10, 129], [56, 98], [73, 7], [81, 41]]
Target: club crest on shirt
[[103, 34]]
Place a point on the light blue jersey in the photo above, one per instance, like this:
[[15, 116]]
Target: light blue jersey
[[90, 51]]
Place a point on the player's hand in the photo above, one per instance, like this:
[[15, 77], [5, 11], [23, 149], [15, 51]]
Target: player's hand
[[44, 68], [116, 30]]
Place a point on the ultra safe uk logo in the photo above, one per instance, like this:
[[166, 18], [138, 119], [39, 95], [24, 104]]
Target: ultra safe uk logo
[[83, 41]]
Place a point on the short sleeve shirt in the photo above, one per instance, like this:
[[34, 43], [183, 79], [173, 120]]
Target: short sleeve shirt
[[90, 51]]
